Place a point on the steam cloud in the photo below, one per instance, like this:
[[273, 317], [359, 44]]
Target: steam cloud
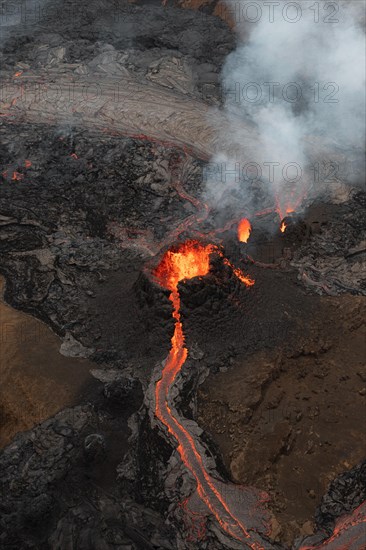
[[296, 81]]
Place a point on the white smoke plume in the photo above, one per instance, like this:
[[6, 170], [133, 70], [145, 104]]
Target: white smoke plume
[[297, 81]]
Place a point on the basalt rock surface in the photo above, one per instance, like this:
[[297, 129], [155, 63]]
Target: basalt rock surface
[[344, 494]]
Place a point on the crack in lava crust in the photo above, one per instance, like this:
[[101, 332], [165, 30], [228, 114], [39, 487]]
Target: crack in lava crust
[[191, 259]]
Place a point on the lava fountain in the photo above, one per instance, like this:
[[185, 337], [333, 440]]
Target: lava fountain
[[244, 230], [283, 227], [188, 260]]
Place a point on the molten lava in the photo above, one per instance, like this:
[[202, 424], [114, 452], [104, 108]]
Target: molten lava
[[348, 533], [191, 259], [283, 227], [244, 230], [240, 275]]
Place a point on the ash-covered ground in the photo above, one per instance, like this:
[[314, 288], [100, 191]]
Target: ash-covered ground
[[275, 375]]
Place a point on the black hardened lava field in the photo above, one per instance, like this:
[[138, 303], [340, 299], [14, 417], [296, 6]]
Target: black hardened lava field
[[182, 275]]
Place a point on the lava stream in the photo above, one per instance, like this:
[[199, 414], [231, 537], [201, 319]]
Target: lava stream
[[348, 534], [190, 260]]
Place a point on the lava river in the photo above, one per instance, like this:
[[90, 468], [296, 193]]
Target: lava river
[[192, 259]]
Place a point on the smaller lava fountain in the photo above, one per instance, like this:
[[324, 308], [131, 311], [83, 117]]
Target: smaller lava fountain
[[283, 226], [244, 230]]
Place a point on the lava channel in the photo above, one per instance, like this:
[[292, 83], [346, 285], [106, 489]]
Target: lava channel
[[192, 259]]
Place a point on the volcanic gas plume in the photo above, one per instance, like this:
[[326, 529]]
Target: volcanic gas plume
[[294, 96]]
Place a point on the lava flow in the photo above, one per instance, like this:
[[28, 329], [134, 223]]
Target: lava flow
[[244, 230], [192, 259], [283, 227]]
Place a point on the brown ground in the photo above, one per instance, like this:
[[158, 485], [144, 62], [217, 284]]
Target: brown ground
[[36, 381], [289, 423]]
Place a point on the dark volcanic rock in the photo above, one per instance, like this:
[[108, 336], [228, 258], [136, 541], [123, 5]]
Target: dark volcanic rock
[[345, 493], [61, 259], [155, 309], [94, 447], [122, 390], [21, 238], [144, 40], [31, 469], [58, 484]]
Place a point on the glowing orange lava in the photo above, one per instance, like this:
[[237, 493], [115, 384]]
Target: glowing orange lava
[[27, 163], [348, 533], [283, 227], [240, 275], [244, 230], [191, 259]]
